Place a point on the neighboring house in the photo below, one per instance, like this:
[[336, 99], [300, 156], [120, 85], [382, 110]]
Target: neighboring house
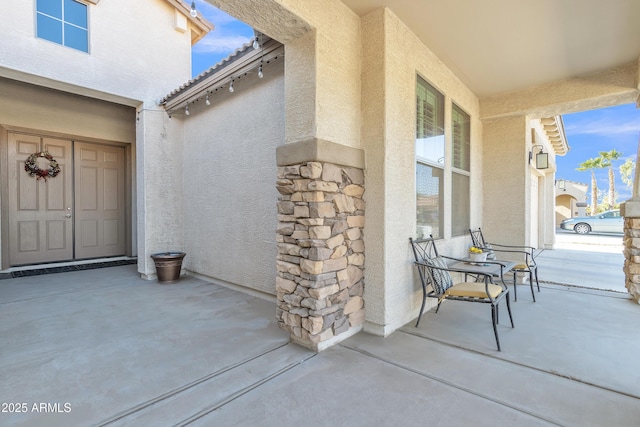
[[570, 200], [306, 184]]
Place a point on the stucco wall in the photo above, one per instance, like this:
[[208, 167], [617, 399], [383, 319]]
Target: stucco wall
[[230, 213], [136, 56], [159, 187], [507, 190], [392, 57], [323, 66], [128, 44], [39, 108]]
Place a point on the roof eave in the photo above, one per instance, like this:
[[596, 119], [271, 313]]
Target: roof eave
[[239, 63], [554, 129], [200, 27]]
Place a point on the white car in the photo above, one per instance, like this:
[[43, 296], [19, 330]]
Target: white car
[[608, 222]]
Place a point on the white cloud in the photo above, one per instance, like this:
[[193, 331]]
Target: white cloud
[[227, 35], [605, 127], [213, 14], [214, 43]]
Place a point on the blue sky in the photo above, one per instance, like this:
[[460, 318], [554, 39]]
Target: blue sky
[[593, 131], [229, 34], [587, 132]]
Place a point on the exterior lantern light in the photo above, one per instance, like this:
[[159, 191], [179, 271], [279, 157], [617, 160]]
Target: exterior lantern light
[[542, 158], [562, 184]]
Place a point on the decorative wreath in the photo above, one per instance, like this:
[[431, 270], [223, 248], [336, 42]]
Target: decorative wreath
[[31, 166]]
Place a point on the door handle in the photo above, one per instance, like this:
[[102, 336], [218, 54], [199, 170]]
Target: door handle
[[68, 215]]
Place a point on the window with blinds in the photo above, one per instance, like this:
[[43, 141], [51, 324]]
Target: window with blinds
[[429, 123], [460, 161], [461, 137], [430, 156]]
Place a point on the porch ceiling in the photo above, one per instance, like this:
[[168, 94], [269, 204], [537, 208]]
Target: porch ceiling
[[500, 46]]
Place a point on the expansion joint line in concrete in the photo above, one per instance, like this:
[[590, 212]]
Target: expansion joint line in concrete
[[576, 288], [522, 365], [173, 393], [243, 391], [453, 385]]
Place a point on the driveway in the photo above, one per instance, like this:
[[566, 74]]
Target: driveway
[[103, 347], [592, 261]]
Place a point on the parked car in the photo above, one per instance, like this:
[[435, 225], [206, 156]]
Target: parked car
[[608, 222]]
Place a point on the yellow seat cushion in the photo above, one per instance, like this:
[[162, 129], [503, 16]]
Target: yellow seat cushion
[[521, 267], [474, 290]]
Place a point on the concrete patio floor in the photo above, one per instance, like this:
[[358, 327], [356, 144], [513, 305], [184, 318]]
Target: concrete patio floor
[[121, 351]]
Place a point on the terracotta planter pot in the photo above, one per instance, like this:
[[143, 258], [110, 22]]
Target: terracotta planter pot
[[168, 265]]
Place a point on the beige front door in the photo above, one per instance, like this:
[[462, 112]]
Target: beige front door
[[40, 212], [100, 200], [79, 214]]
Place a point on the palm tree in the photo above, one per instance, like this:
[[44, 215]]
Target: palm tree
[[592, 165], [607, 158], [626, 173]]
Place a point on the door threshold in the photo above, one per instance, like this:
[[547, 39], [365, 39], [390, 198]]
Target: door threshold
[[62, 267]]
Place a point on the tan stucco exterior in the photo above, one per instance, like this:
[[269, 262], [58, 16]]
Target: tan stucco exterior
[[229, 171], [34, 107], [393, 56], [113, 82], [113, 70], [344, 95]]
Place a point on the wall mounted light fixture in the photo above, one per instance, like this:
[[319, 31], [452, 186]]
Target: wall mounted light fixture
[[542, 158]]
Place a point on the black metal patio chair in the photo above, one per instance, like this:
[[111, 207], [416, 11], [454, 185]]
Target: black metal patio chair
[[526, 254], [436, 275]]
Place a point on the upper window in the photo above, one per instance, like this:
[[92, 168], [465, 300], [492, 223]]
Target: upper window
[[429, 123], [63, 22], [430, 155], [461, 128]]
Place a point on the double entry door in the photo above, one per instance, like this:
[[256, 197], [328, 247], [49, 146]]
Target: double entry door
[[78, 214]]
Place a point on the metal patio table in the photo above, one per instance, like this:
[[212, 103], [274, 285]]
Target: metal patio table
[[495, 267]]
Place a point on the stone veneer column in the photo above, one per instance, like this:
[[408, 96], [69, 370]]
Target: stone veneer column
[[630, 210], [320, 262], [632, 256]]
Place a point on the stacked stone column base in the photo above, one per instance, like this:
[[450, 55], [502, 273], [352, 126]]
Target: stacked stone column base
[[632, 257], [320, 264]]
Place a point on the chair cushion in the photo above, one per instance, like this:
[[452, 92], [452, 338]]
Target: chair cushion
[[521, 267], [474, 289], [441, 278]]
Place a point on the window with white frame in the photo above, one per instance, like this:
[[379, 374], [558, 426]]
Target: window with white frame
[[64, 22], [461, 150], [430, 158]]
